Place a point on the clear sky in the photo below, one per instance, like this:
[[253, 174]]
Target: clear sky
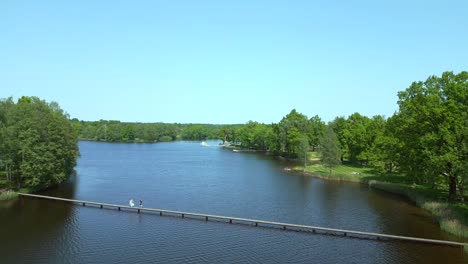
[[226, 61]]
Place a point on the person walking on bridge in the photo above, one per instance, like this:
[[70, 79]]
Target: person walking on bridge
[[140, 203]]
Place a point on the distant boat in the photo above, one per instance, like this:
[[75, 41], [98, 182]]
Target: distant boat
[[235, 150], [204, 144]]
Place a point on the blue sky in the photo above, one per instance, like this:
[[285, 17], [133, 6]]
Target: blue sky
[[226, 61]]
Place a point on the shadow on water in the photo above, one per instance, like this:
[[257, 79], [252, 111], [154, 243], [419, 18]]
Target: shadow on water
[[30, 223]]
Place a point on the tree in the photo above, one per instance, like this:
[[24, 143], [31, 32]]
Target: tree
[[40, 146], [375, 130], [329, 149], [6, 141], [387, 149], [431, 126], [127, 133], [303, 150], [316, 131], [254, 135], [341, 129], [359, 137], [290, 130]]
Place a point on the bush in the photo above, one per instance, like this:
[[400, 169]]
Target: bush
[[165, 139]]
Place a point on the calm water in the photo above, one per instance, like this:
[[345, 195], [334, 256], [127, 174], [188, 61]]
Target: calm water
[[187, 176]]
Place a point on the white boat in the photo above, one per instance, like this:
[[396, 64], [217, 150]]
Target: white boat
[[204, 144]]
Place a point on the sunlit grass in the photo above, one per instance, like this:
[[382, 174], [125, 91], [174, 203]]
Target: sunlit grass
[[8, 195], [453, 226], [339, 172]]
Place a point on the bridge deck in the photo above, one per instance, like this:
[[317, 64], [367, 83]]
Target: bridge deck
[[255, 222]]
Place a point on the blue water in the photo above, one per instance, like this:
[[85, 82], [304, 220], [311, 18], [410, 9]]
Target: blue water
[[190, 177]]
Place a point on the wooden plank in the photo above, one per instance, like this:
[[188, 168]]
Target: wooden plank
[[255, 222]]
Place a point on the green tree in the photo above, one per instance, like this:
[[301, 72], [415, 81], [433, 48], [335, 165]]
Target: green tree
[[341, 129], [375, 130], [41, 147], [358, 139], [329, 149], [316, 131], [127, 133], [431, 126], [304, 150], [7, 142], [387, 148], [290, 130]]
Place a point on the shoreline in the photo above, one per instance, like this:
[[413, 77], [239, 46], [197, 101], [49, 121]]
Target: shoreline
[[443, 212]]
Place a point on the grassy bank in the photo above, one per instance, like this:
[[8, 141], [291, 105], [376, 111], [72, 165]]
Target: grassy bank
[[8, 195], [7, 192], [452, 217]]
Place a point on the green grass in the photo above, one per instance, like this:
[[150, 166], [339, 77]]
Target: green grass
[[8, 195], [231, 147], [452, 217], [165, 139], [341, 172]]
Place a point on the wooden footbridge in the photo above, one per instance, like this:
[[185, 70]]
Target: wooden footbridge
[[253, 222]]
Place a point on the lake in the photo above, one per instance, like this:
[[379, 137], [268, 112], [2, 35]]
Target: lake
[[187, 176]]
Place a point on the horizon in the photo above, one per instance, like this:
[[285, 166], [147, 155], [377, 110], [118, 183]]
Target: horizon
[[226, 63]]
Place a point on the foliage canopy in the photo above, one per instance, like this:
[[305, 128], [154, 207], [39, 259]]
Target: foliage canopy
[[38, 146]]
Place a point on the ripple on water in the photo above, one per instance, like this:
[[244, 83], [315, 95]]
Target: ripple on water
[[185, 176]]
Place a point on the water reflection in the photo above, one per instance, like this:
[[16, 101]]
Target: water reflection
[[187, 176]]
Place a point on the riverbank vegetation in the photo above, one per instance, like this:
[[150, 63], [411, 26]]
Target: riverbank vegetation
[[425, 140], [452, 216], [38, 145], [420, 152], [7, 195]]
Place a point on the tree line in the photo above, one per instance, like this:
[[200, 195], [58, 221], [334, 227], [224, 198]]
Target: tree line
[[116, 131], [424, 140]]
